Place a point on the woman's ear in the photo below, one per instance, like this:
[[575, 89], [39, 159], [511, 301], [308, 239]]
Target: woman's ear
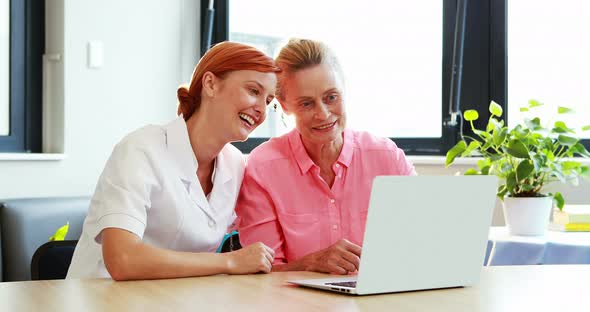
[[209, 81]]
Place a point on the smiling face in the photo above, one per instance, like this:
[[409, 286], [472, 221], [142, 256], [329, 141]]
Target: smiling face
[[240, 100], [315, 98]]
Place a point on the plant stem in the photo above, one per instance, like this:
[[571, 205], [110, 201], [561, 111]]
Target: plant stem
[[558, 155], [470, 137]]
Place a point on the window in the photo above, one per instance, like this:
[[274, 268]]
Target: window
[[548, 54], [386, 76], [22, 42], [4, 67], [396, 58]]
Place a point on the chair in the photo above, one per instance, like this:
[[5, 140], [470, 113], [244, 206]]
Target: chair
[[27, 223], [52, 260]]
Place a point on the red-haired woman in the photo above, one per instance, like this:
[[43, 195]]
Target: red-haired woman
[[167, 194]]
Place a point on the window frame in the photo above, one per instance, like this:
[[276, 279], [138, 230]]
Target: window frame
[[27, 44], [14, 141], [484, 69]]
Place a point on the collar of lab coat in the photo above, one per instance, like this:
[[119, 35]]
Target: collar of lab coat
[[181, 151], [179, 146]]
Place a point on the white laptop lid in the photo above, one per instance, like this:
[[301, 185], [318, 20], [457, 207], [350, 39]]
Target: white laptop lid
[[425, 232]]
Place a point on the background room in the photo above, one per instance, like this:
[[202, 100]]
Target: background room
[[396, 59]]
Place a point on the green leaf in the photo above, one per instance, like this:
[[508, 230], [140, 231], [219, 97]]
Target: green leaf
[[471, 115], [567, 140], [558, 130], [495, 109], [486, 136], [569, 165], [534, 103], [519, 132], [550, 155], [471, 171], [559, 201], [560, 124], [484, 165], [533, 124], [560, 127], [524, 170], [511, 181], [473, 145], [517, 149], [454, 152], [524, 109], [502, 190], [500, 136], [61, 233], [484, 162], [564, 110], [540, 160], [586, 128], [493, 123], [485, 170], [495, 157], [580, 150]]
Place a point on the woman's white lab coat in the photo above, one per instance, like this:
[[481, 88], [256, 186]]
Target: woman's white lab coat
[[149, 187]]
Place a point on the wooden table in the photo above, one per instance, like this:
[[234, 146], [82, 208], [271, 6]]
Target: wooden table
[[510, 288]]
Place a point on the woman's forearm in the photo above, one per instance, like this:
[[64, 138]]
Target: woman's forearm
[[128, 258], [147, 262]]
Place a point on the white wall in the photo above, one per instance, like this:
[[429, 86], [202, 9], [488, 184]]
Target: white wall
[[150, 47]]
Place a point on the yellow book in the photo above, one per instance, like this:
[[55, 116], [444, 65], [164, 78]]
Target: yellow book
[[570, 227], [572, 214]]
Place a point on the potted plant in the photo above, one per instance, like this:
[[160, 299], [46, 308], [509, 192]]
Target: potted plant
[[525, 158]]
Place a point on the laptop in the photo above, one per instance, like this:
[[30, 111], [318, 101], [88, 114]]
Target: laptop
[[422, 232]]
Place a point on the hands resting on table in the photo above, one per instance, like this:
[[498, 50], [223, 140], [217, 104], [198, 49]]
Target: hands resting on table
[[341, 258]]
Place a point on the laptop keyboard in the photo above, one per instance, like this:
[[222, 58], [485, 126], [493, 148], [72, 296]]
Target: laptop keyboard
[[351, 284]]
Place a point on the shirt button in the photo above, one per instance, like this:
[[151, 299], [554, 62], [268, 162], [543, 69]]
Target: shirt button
[[334, 227], [211, 224], [337, 165], [332, 200]]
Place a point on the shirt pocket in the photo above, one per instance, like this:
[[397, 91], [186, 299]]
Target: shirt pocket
[[302, 234]]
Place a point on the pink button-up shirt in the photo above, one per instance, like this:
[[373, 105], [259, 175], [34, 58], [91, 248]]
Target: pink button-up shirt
[[285, 204]]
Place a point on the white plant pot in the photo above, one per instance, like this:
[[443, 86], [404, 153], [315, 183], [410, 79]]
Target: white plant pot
[[528, 216]]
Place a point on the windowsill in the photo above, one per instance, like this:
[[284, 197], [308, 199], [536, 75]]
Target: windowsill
[[32, 156], [467, 161], [440, 160]]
